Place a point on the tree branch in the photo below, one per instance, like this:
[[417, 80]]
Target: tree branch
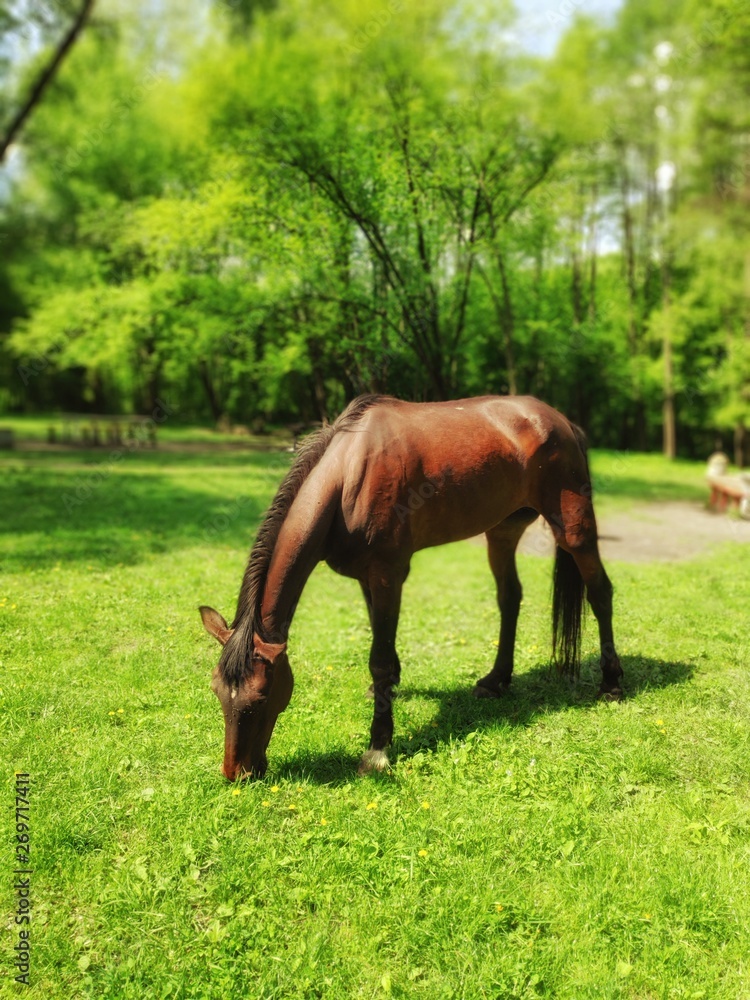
[[45, 77]]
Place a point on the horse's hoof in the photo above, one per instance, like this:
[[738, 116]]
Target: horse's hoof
[[484, 692], [374, 760], [613, 694]]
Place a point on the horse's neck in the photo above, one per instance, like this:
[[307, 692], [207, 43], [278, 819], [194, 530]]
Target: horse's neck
[[298, 549]]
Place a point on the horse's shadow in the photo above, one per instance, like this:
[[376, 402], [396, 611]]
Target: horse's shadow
[[534, 693]]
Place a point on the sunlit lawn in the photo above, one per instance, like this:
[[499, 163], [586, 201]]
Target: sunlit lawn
[[543, 845]]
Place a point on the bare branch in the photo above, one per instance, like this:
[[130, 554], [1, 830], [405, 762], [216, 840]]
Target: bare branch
[[45, 77]]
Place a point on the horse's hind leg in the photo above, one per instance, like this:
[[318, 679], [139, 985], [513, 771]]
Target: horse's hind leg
[[385, 592], [502, 541], [599, 594], [368, 601], [574, 527]]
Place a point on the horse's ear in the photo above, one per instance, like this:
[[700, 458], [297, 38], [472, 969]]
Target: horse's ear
[[268, 651], [215, 625]]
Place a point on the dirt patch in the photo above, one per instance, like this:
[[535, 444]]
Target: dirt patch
[[652, 532]]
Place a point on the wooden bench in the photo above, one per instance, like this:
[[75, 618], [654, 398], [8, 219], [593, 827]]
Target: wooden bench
[[726, 490], [94, 431]]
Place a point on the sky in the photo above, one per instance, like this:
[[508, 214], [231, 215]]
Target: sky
[[541, 22]]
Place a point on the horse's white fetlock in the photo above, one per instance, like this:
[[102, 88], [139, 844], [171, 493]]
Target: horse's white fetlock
[[374, 760]]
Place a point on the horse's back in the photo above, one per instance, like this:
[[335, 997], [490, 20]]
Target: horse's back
[[522, 420], [414, 475]]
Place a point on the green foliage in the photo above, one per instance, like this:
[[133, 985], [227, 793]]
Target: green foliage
[[292, 204]]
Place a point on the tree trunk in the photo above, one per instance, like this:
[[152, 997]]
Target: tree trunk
[[592, 249], [740, 441], [629, 254], [207, 382], [669, 434], [505, 319], [634, 320], [576, 288], [669, 440], [509, 322]]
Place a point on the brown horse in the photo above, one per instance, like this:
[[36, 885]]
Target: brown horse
[[388, 478]]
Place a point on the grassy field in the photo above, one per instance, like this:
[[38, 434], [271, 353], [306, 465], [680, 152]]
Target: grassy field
[[32, 430], [545, 845]]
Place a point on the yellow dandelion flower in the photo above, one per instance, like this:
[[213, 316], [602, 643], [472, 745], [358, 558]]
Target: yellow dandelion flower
[[188, 715], [646, 916], [372, 805], [265, 802], [329, 668], [425, 805], [236, 791], [324, 822], [111, 713], [274, 788], [660, 722], [423, 853], [499, 907], [292, 806], [120, 711]]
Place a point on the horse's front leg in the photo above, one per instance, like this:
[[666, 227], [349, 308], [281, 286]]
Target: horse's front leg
[[385, 596], [368, 601]]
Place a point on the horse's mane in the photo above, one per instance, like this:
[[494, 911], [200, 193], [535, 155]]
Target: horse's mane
[[235, 661]]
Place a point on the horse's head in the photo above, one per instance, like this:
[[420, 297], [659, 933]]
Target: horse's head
[[251, 705]]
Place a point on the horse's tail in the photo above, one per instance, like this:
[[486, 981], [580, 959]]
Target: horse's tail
[[567, 614], [567, 597]]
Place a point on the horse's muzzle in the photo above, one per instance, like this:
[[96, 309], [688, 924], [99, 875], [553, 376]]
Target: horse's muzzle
[[240, 772]]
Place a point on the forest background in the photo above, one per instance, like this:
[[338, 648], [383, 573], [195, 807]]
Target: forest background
[[256, 209]]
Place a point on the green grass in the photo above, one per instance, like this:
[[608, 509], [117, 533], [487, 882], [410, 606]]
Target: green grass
[[545, 845], [32, 429], [622, 478]]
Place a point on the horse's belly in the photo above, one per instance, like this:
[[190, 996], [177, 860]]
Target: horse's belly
[[449, 515]]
